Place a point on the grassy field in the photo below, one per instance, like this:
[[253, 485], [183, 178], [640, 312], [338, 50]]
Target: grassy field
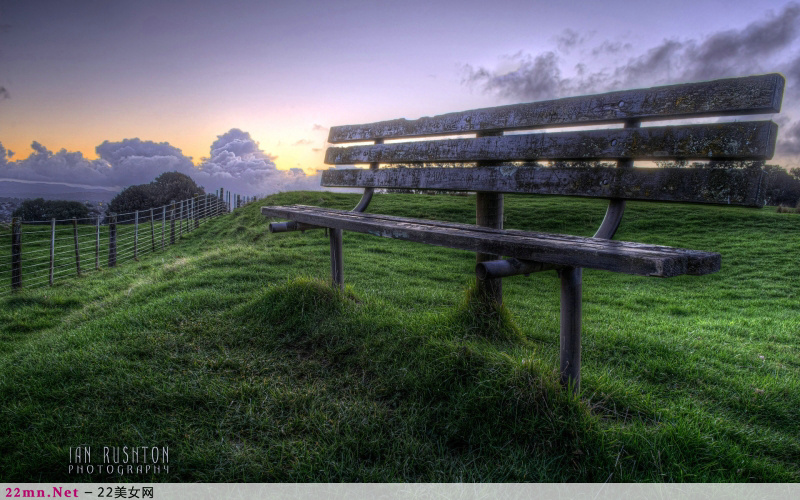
[[230, 349]]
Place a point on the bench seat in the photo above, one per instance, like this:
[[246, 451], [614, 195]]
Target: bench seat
[[557, 249]]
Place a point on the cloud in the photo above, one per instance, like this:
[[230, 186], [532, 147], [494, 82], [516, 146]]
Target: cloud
[[568, 40], [39, 148], [4, 93], [769, 44], [236, 162], [5, 154], [318, 128], [610, 48], [760, 46], [534, 78], [302, 142], [62, 166], [789, 143], [114, 152]]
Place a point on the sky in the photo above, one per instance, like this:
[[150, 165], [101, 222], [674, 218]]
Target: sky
[[241, 93]]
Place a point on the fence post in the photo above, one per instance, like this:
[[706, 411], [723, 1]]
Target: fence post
[[97, 246], [136, 236], [112, 241], [221, 198], [172, 224], [77, 251], [163, 224], [16, 253], [52, 248], [180, 219], [152, 231], [195, 207]]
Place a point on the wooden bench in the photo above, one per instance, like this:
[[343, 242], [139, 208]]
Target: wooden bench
[[494, 161]]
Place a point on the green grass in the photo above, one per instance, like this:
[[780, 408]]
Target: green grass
[[231, 349]]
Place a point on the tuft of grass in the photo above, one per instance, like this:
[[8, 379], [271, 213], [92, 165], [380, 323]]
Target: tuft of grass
[[475, 317]]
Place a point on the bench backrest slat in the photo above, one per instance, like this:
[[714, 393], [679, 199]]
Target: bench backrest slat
[[719, 141], [740, 186], [760, 94], [492, 152]]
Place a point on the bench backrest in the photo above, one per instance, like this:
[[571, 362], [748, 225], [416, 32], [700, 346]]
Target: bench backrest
[[496, 155]]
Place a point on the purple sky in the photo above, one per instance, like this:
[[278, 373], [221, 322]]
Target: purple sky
[[130, 89]]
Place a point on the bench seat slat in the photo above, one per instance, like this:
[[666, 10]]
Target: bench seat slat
[[760, 94], [565, 250], [719, 141], [693, 185]]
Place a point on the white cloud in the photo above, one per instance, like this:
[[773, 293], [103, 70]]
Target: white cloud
[[236, 163]]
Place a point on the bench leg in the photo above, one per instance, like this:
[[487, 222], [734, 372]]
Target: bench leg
[[570, 338], [337, 263], [489, 213]]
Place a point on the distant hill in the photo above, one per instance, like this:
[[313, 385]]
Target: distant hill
[[50, 191]]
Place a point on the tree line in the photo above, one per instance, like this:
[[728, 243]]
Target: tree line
[[166, 188]]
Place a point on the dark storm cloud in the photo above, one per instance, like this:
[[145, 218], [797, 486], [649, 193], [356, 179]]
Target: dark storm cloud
[[535, 78], [758, 47], [765, 45]]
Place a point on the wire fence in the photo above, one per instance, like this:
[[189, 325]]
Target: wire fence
[[45, 251]]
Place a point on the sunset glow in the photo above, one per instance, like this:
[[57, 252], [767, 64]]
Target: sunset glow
[[77, 74]]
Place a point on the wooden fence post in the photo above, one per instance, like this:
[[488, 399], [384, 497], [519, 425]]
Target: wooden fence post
[[163, 224], [172, 224], [136, 235], [16, 253], [152, 231], [77, 251], [52, 248], [195, 207], [112, 241], [97, 246]]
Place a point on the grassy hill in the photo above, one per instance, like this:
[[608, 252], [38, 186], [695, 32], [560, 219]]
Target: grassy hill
[[230, 349]]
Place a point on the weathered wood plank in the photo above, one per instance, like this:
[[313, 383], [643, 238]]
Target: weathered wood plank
[[740, 186], [562, 250], [719, 141], [759, 94]]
